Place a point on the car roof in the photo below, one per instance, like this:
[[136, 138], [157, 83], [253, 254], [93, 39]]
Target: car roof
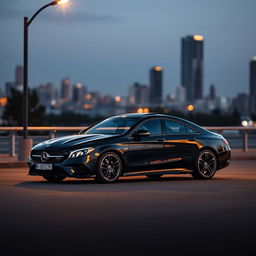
[[141, 116]]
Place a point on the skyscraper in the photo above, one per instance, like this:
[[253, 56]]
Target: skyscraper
[[156, 86], [18, 79], [8, 88], [47, 94], [79, 90], [66, 90], [212, 94], [138, 95], [241, 103], [192, 66], [253, 86]]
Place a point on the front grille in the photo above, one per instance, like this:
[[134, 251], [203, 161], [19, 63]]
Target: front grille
[[54, 156]]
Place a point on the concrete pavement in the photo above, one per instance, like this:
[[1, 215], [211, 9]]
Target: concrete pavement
[[173, 216]]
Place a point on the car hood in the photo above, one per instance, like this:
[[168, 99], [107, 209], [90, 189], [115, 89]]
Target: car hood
[[71, 141]]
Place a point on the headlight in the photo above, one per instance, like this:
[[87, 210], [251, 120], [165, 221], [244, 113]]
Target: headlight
[[80, 152]]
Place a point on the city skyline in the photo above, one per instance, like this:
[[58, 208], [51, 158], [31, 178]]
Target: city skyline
[[115, 61]]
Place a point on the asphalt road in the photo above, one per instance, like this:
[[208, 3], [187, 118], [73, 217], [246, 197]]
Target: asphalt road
[[173, 216]]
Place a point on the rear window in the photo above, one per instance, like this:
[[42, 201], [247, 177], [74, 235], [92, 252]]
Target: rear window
[[172, 127]]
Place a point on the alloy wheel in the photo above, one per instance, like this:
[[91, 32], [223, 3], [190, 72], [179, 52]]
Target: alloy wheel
[[206, 164], [110, 167]]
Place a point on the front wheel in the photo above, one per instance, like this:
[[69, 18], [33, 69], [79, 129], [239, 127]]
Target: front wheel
[[54, 178], [109, 168], [205, 165]]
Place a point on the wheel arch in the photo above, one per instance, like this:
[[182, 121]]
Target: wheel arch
[[116, 151]]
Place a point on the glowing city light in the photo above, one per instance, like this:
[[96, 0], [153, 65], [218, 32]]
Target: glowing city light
[[62, 1], [3, 101], [244, 123], [142, 110], [158, 68], [88, 96], [190, 108], [198, 37], [88, 106], [118, 99], [78, 85]]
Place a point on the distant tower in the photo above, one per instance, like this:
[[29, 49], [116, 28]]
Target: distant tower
[[66, 90], [8, 88], [192, 66], [138, 94], [47, 94], [180, 93], [79, 90], [156, 86], [18, 79], [253, 86], [212, 94]]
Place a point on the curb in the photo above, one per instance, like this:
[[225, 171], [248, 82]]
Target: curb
[[23, 164]]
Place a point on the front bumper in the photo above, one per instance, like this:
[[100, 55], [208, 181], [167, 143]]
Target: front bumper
[[224, 157], [80, 167]]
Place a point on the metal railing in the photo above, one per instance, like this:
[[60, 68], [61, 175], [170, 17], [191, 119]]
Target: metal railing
[[12, 133]]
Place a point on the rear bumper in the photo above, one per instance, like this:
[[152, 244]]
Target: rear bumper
[[80, 167]]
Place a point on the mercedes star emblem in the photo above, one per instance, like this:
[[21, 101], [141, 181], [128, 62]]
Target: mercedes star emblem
[[44, 156]]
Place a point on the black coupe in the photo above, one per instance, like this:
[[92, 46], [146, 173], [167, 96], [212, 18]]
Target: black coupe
[[130, 145]]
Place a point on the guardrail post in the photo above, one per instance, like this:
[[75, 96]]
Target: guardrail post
[[52, 134], [12, 141], [245, 141]]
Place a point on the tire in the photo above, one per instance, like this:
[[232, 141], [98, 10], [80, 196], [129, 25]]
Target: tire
[[205, 165], [109, 168], [54, 178], [154, 176]]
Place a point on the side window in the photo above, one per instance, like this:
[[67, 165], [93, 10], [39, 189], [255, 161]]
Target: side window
[[153, 126], [190, 130], [171, 127]]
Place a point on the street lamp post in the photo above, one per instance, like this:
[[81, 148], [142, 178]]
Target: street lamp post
[[26, 144]]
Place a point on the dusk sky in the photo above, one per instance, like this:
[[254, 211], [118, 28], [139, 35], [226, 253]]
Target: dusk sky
[[108, 45]]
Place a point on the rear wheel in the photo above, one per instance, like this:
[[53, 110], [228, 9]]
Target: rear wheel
[[205, 165], [109, 168], [54, 178]]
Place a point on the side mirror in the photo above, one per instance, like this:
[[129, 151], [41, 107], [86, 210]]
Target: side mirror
[[141, 133]]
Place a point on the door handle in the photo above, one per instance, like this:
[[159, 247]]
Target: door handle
[[162, 139]]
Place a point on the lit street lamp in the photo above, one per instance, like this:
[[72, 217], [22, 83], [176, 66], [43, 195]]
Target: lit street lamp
[[26, 144]]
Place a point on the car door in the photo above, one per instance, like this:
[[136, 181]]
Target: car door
[[180, 143], [145, 153]]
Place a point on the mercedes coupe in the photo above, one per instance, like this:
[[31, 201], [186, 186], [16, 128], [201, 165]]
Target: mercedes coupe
[[130, 145]]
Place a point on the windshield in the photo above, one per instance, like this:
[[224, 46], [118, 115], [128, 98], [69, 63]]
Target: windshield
[[114, 125]]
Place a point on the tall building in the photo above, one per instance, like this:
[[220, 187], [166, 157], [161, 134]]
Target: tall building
[[8, 88], [156, 86], [253, 86], [138, 95], [47, 94], [241, 103], [18, 79], [180, 94], [212, 94], [192, 67], [66, 90], [79, 90]]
